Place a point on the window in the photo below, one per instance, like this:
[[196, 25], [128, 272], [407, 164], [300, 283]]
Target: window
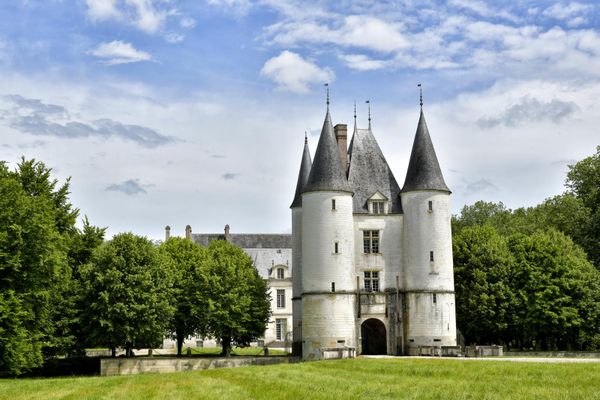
[[372, 281], [378, 207], [434, 298], [280, 273], [333, 204], [278, 251], [280, 328], [430, 206], [336, 248], [371, 241], [333, 286], [431, 256], [280, 298]]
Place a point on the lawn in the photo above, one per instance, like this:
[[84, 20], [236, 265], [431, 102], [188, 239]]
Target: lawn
[[342, 379]]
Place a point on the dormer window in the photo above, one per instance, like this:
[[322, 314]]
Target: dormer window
[[377, 204], [280, 273]]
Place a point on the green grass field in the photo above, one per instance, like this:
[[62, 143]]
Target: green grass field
[[342, 379]]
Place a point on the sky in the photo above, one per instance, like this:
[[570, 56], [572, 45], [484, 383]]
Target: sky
[[167, 112]]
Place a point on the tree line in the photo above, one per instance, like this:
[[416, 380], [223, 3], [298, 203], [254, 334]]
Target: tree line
[[65, 289], [530, 277]]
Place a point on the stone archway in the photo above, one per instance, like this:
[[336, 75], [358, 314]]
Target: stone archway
[[374, 337]]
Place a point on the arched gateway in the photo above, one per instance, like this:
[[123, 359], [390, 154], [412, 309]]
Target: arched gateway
[[373, 337]]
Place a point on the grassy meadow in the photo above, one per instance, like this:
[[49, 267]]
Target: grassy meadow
[[340, 379]]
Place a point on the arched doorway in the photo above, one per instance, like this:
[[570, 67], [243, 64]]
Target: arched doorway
[[373, 337]]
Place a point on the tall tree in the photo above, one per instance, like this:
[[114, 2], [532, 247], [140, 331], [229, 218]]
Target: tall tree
[[36, 224], [189, 290], [238, 298], [128, 293], [583, 180]]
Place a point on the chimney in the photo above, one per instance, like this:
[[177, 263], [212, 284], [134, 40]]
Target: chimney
[[341, 137], [227, 232], [188, 232], [167, 232]]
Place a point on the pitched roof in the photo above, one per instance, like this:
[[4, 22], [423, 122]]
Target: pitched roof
[[247, 240], [327, 172], [305, 165], [424, 171], [370, 173]]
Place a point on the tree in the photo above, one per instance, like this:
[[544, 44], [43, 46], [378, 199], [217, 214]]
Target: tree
[[36, 221], [190, 288], [128, 293], [583, 180], [485, 300], [238, 298]]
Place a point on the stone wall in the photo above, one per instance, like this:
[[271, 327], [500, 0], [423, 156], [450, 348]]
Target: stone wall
[[133, 366]]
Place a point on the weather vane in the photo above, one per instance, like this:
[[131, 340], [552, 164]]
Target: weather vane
[[327, 87], [420, 94], [369, 103]]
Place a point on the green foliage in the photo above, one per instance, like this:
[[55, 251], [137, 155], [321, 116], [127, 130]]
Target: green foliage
[[583, 180], [238, 299], [190, 288], [128, 293], [36, 221]]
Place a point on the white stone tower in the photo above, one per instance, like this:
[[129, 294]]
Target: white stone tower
[[296, 207], [428, 279], [328, 295]]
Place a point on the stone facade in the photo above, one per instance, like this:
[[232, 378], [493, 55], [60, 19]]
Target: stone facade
[[375, 261]]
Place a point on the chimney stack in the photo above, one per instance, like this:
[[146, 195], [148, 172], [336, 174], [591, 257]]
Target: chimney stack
[[167, 232], [341, 137], [188, 232], [227, 232]]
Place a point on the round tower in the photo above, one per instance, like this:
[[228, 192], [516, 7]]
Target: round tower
[[428, 278], [328, 292], [297, 250]]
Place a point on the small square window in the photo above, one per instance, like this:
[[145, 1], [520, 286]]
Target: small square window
[[434, 298], [430, 206], [371, 281], [333, 286], [431, 256], [333, 204], [336, 248]]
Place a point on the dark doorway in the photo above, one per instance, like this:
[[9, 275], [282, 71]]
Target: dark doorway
[[373, 337]]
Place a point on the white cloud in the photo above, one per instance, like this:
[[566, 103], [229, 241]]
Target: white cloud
[[483, 9], [174, 37], [119, 52], [129, 187], [293, 73], [146, 15], [187, 22], [564, 11], [361, 62]]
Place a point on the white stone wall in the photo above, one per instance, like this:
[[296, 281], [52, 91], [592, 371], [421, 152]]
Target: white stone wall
[[297, 276], [429, 323], [426, 231], [276, 312], [389, 260], [328, 322], [322, 227]]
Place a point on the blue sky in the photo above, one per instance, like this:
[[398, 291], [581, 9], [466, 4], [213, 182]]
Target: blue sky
[[194, 112]]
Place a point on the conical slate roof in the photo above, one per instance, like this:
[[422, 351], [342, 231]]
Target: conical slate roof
[[370, 173], [327, 172], [424, 171], [302, 175]]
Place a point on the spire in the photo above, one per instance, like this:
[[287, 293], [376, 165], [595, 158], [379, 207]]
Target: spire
[[369, 104], [327, 172], [424, 171], [420, 95], [305, 165]]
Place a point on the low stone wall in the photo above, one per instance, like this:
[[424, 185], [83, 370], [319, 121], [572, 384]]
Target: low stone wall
[[569, 354], [483, 351], [132, 366]]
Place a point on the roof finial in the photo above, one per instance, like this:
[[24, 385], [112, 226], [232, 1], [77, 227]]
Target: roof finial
[[420, 95], [327, 87], [305, 138], [369, 103]]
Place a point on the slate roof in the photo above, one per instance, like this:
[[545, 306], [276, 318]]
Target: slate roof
[[370, 173], [305, 165], [248, 240], [424, 171], [327, 172]]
